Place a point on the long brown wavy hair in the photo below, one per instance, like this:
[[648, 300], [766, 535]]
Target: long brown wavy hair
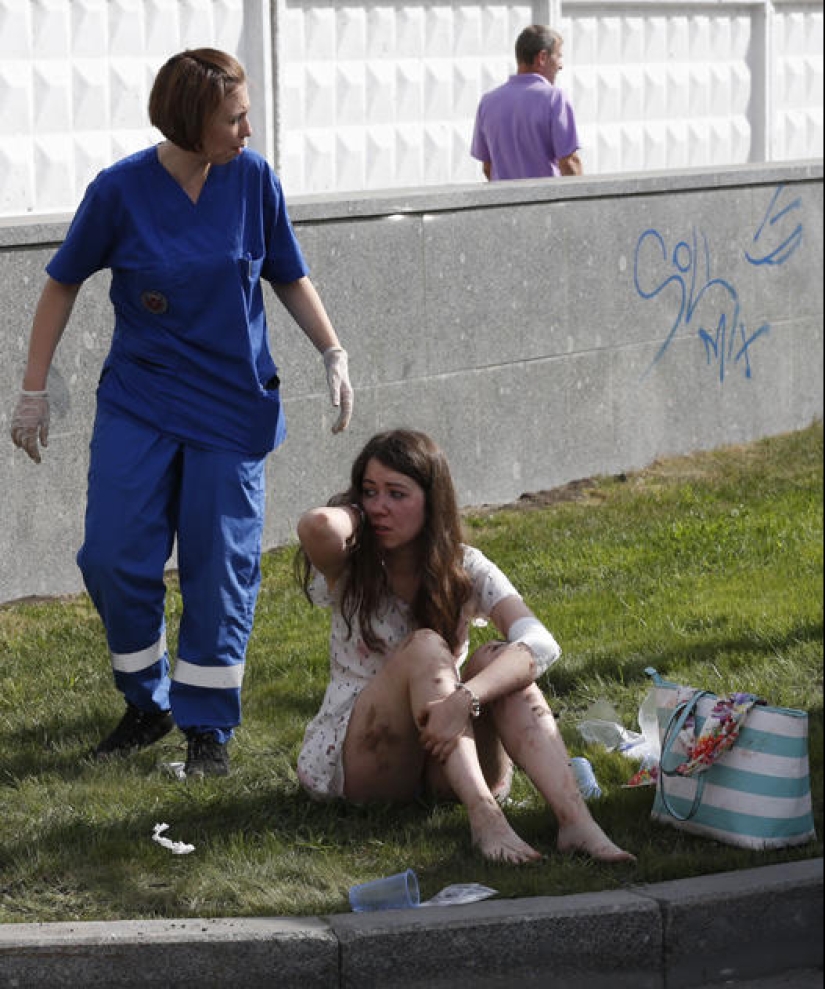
[[445, 585]]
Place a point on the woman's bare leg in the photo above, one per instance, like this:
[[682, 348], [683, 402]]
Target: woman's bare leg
[[529, 733], [384, 758]]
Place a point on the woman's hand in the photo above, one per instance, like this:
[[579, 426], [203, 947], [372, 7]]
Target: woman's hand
[[443, 723]]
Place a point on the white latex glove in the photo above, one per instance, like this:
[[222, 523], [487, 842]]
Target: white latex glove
[[30, 422], [340, 389]]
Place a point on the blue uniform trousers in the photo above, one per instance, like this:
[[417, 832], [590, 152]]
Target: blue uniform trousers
[[145, 490]]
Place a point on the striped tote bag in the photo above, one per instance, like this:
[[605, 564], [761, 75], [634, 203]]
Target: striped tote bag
[[732, 769]]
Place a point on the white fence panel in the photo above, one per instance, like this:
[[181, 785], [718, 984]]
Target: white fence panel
[[369, 95]]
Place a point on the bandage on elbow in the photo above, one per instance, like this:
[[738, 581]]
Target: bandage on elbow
[[530, 632]]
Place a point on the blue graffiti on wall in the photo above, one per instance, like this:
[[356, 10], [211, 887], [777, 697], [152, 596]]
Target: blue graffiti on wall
[[775, 214], [707, 303]]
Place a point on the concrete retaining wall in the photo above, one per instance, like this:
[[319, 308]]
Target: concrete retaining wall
[[540, 331], [723, 928]]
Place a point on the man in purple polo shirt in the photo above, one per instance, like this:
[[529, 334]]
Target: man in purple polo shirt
[[526, 129]]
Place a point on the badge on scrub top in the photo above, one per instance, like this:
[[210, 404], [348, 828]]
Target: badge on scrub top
[[154, 301]]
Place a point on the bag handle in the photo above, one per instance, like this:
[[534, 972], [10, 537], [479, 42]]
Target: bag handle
[[667, 766]]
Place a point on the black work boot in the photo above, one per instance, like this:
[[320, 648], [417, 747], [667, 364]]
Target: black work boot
[[205, 755], [135, 730]]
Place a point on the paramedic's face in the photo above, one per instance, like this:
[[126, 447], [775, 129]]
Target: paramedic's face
[[225, 134]]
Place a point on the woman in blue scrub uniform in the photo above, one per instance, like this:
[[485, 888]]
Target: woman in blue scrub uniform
[[188, 404]]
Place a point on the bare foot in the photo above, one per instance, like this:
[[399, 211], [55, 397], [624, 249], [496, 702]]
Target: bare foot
[[588, 837], [494, 837]]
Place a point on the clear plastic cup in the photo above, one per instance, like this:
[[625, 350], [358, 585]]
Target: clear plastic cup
[[390, 893]]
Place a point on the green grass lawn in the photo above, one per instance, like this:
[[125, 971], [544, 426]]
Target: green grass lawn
[[708, 568]]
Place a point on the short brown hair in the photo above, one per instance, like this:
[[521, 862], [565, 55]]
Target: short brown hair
[[534, 39], [188, 89]]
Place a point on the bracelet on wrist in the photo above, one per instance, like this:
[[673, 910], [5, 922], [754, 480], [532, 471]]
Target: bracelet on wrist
[[475, 704]]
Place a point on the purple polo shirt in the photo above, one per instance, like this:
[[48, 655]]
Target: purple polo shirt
[[523, 128]]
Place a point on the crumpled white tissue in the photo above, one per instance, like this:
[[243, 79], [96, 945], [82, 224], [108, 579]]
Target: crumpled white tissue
[[175, 847]]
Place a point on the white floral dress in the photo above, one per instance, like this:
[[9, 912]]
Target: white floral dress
[[352, 666]]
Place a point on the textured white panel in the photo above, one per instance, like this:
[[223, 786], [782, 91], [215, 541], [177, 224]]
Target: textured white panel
[[89, 31], [15, 97], [656, 40], [319, 160], [583, 91], [53, 170], [161, 29], [698, 142], [408, 156], [89, 94], [16, 183], [740, 38], [349, 86], [630, 81], [292, 160], [319, 82], [496, 71], [126, 28], [463, 167], [632, 149], [50, 29], [51, 95], [409, 90], [676, 138], [410, 32], [15, 30], [126, 142], [438, 88], [699, 91], [350, 164], [655, 145], [92, 152], [127, 99], [608, 41], [466, 87], [380, 158], [678, 39], [380, 28], [380, 92], [320, 34], [467, 33], [437, 145], [438, 32], [740, 138], [656, 92], [741, 86], [293, 92], [351, 34], [293, 29], [607, 95]]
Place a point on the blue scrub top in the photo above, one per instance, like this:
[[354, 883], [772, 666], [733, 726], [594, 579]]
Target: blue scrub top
[[189, 354]]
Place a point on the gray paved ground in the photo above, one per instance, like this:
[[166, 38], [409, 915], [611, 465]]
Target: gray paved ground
[[808, 978]]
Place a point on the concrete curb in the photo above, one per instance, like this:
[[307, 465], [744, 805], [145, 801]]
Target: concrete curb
[[693, 932]]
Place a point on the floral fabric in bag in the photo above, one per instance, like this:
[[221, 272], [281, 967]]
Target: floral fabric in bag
[[733, 769]]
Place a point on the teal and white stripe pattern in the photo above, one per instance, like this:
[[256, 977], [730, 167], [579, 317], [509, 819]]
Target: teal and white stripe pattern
[[757, 795]]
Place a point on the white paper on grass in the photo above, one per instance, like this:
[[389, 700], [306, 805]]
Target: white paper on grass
[[175, 847]]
